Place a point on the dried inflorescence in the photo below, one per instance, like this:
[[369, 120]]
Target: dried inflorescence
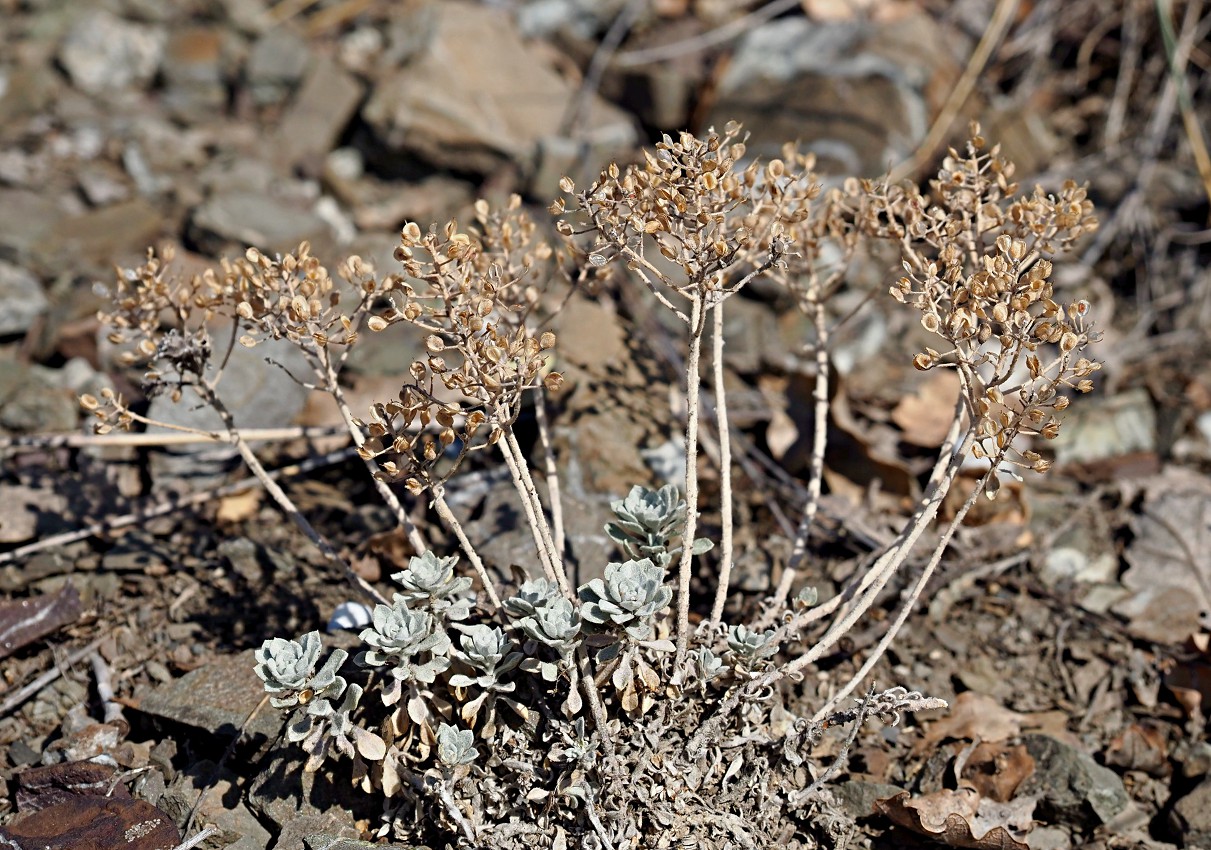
[[692, 203], [169, 321], [977, 265], [472, 294]]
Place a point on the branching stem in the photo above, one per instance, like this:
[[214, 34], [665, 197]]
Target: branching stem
[[415, 538], [288, 507]]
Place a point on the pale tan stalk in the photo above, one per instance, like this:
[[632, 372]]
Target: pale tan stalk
[[544, 527], [725, 473], [447, 516], [910, 601], [881, 569], [183, 438], [816, 471], [551, 561], [872, 583], [550, 470], [693, 382]]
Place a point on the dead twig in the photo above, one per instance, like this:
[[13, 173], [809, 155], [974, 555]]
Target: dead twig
[[172, 503], [193, 842], [142, 439], [998, 25], [21, 695]]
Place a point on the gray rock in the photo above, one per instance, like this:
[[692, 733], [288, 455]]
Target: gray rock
[[92, 242], [21, 299], [258, 394], [275, 65], [858, 798], [25, 219], [460, 106], [1108, 427], [193, 72], [278, 796], [102, 183], [217, 697], [318, 115], [238, 174], [25, 90], [581, 18], [103, 52], [1190, 818], [220, 805], [854, 92], [230, 222], [578, 158], [1072, 787], [29, 404], [29, 512]]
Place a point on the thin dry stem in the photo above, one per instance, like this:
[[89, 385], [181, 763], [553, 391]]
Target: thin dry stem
[[550, 470], [910, 600], [684, 569], [999, 23], [596, 707], [456, 814], [208, 395], [816, 471], [725, 473], [171, 503], [291, 510], [193, 842], [551, 562], [872, 583], [141, 439], [415, 538], [447, 516]]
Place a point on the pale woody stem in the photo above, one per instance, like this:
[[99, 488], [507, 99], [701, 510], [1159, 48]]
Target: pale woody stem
[[447, 516], [693, 385], [725, 474], [552, 562], [550, 471], [816, 474]]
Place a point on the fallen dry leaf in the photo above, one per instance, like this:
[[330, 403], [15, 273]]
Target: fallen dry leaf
[[239, 507], [1141, 746], [963, 818], [926, 415], [995, 770], [1169, 572], [973, 716]]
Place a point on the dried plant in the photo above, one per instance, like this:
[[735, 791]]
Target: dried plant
[[598, 716]]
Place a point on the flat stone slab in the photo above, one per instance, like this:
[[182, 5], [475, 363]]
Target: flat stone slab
[[217, 697]]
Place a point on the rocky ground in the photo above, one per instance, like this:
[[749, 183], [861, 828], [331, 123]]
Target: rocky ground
[[1067, 627]]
